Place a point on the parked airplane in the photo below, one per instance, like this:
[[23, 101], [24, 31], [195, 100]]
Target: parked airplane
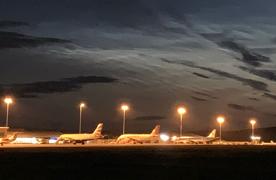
[[8, 139], [153, 137], [81, 138], [195, 139]]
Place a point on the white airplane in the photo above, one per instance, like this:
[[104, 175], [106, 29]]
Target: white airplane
[[195, 139], [153, 137], [81, 138], [8, 139]]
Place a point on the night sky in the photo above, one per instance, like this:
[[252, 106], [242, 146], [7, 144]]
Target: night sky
[[212, 56]]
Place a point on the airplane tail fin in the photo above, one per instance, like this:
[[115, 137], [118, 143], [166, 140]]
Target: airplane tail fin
[[98, 130], [156, 131], [212, 134]]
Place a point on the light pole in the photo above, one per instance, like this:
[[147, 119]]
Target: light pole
[[124, 108], [82, 105], [252, 122], [8, 101], [220, 120], [181, 111]]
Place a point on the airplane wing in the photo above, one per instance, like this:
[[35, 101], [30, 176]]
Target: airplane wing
[[204, 141], [64, 140], [135, 140], [129, 140]]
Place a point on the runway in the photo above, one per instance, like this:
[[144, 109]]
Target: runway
[[112, 161], [114, 146], [133, 147]]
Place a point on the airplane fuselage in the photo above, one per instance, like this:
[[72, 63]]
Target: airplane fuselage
[[137, 138], [194, 139], [77, 138]]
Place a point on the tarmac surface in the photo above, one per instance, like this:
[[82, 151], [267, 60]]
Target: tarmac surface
[[111, 161]]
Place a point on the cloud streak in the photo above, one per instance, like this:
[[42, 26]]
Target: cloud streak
[[204, 94], [17, 40], [264, 73], [149, 118], [257, 85], [201, 75], [271, 96], [32, 90], [198, 99], [241, 107], [9, 24], [248, 56]]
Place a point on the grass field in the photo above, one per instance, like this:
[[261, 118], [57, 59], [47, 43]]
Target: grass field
[[139, 162]]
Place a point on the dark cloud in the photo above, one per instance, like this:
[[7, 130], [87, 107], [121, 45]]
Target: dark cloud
[[201, 75], [17, 40], [264, 73], [31, 90], [198, 99], [241, 107], [149, 118], [249, 108], [253, 99], [257, 85], [8, 24], [265, 50], [271, 96], [248, 56], [204, 94]]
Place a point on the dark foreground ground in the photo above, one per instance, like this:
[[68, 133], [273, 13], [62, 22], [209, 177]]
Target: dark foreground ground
[[139, 162]]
